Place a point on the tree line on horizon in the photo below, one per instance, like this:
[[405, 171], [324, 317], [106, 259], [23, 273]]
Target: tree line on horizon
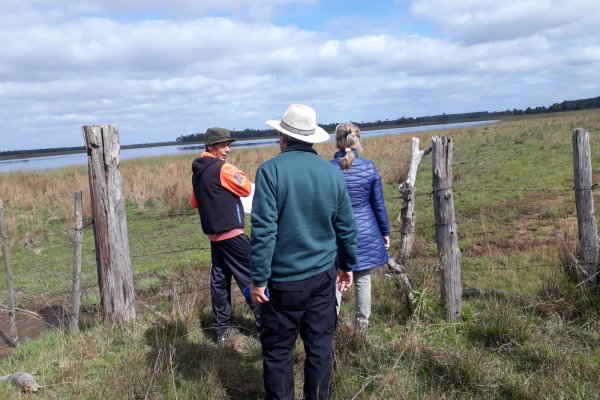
[[567, 105]]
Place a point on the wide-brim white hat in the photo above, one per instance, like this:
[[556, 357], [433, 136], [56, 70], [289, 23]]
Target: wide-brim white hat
[[300, 122]]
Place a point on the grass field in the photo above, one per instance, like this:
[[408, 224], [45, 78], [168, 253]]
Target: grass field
[[517, 227]]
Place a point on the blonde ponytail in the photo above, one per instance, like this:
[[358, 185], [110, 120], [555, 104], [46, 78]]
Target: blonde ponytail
[[347, 138]]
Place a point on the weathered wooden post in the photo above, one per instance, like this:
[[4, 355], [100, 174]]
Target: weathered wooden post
[[9, 278], [407, 218], [445, 231], [77, 243], [113, 260], [584, 202]]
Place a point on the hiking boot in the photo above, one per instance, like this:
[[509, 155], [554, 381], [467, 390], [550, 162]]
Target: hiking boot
[[226, 334]]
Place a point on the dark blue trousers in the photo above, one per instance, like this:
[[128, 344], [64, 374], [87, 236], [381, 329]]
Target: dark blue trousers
[[307, 308], [230, 258]]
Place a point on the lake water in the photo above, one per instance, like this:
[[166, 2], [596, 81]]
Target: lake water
[[58, 161]]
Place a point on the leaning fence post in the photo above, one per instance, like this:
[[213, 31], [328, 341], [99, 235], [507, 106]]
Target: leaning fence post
[[407, 217], [584, 202], [110, 224], [445, 226], [77, 243], [9, 278]]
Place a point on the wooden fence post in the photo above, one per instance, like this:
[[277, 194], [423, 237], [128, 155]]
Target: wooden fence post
[[110, 224], [9, 279], [77, 243], [407, 218], [584, 202], [445, 230]]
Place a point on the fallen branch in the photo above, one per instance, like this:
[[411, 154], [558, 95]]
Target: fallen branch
[[23, 311]]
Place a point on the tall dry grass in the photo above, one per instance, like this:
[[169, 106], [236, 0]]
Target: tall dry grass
[[35, 199]]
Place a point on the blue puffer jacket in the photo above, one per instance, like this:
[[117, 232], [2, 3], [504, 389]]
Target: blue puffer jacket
[[366, 195]]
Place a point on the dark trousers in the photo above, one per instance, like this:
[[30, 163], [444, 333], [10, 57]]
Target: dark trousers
[[307, 308], [230, 257]]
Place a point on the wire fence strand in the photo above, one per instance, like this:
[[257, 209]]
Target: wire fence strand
[[492, 231]]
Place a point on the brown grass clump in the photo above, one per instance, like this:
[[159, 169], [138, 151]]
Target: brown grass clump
[[462, 369], [33, 199], [502, 329]]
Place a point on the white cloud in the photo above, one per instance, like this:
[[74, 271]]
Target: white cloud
[[158, 78], [477, 21]]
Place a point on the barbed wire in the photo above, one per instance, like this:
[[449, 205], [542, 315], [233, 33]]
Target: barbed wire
[[170, 252], [489, 222], [64, 231], [499, 190], [162, 215], [491, 225], [483, 269]]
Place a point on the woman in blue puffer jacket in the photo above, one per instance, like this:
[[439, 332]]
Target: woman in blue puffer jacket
[[366, 195]]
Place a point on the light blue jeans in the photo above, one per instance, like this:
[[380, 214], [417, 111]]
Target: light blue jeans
[[362, 283]]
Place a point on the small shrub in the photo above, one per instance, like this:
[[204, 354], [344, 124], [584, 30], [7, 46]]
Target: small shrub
[[426, 305], [389, 300], [349, 339], [569, 263], [534, 357], [501, 328], [512, 387], [163, 333], [461, 368], [556, 299]]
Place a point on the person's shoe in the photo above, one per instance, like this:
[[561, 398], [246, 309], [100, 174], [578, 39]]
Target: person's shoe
[[223, 337]]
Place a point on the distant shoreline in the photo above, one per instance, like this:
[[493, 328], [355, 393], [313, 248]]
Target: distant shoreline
[[22, 154], [439, 119], [71, 150]]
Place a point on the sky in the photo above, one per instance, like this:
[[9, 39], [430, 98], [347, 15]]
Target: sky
[[159, 69]]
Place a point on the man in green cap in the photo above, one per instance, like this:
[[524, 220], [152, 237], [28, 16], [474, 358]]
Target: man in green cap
[[217, 188]]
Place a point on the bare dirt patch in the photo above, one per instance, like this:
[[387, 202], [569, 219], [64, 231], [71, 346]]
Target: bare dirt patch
[[185, 290], [31, 325]]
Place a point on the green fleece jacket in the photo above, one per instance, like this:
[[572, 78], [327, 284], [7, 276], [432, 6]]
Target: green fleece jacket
[[301, 218]]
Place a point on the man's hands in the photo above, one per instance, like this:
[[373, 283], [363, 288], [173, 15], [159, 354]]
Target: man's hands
[[344, 280], [257, 294]]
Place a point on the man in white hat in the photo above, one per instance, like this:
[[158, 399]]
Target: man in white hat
[[301, 221]]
